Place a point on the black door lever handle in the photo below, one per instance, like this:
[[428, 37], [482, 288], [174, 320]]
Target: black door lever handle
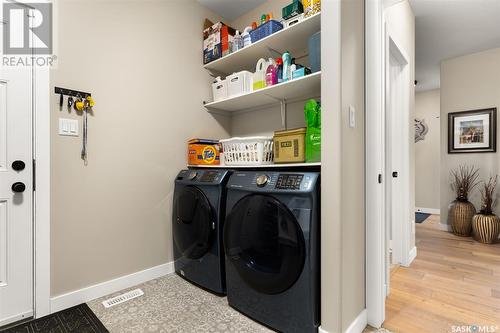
[[18, 187], [395, 174]]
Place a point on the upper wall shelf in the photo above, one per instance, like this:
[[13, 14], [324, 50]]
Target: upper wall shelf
[[266, 166], [308, 86], [293, 39]]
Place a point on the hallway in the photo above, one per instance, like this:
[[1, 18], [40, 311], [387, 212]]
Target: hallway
[[454, 281]]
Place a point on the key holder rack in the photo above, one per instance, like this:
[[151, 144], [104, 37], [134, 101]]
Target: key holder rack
[[71, 92]]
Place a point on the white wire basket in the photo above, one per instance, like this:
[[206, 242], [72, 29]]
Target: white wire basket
[[256, 150]]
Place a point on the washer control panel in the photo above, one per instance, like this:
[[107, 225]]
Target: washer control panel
[[202, 177], [289, 181]]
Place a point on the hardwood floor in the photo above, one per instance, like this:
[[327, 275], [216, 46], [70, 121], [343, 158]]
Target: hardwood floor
[[454, 281]]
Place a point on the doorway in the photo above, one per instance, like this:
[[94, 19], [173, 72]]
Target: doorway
[[389, 224], [397, 158]]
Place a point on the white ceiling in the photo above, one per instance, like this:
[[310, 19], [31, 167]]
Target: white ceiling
[[450, 28], [231, 9]]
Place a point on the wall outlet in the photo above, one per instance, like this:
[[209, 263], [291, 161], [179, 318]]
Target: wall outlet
[[68, 127]]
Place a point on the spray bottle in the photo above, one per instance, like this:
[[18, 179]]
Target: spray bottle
[[287, 63]]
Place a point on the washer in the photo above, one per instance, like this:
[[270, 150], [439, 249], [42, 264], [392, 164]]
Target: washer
[[271, 239], [197, 224]]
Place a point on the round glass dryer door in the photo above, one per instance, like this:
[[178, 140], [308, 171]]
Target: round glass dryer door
[[192, 225], [265, 243]]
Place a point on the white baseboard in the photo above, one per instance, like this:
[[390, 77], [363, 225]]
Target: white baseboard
[[87, 294], [433, 211], [359, 324], [444, 227], [411, 257]]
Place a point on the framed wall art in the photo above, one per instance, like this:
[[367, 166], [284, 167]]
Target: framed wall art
[[472, 131]]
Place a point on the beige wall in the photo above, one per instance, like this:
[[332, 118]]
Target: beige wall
[[112, 217], [271, 6], [467, 83], [353, 162], [401, 26], [268, 120], [427, 152]]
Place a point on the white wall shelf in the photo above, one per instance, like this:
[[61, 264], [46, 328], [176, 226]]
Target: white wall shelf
[[269, 166], [293, 39], [294, 90]]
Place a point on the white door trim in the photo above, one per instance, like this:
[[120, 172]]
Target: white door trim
[[402, 229], [374, 101], [41, 209]]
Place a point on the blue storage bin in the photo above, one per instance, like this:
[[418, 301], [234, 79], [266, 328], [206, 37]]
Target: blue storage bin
[[264, 30], [315, 52]]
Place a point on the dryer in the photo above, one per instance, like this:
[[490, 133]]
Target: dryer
[[197, 224], [271, 240]]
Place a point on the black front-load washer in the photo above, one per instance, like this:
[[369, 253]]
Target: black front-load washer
[[197, 224], [271, 239]]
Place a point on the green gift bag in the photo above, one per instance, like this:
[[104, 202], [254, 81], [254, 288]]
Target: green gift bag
[[312, 112]]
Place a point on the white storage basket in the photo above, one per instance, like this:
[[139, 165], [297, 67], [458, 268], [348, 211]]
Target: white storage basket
[[239, 83], [257, 150], [219, 89]]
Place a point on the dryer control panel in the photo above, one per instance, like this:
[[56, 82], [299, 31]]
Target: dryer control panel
[[277, 182]]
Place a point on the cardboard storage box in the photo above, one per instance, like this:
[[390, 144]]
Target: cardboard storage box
[[289, 146], [203, 152], [217, 39]]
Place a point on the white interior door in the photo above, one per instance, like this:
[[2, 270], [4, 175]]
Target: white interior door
[[16, 194], [394, 156], [395, 152]]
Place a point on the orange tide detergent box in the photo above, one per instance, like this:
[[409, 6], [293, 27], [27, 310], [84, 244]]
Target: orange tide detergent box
[[203, 152]]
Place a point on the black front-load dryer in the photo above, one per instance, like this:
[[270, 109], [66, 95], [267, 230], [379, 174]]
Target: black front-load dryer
[[198, 217], [271, 239]]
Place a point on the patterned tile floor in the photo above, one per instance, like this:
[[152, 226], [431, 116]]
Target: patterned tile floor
[[170, 304]]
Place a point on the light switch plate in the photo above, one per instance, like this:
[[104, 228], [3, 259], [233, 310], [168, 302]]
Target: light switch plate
[[68, 127], [352, 117]]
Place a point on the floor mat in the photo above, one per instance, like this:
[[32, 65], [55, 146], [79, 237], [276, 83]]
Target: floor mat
[[421, 217], [78, 319]]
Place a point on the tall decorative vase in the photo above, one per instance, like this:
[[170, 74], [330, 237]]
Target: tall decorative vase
[[486, 228], [460, 215]]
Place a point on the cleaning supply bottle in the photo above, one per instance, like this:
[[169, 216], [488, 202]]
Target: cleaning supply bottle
[[246, 37], [293, 68], [279, 70], [259, 77], [238, 42], [287, 63], [263, 18], [271, 78]]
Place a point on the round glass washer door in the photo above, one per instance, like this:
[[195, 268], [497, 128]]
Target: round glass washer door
[[193, 218], [265, 243]]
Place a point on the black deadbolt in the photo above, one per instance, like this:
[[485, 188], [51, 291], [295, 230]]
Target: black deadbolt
[[18, 165], [395, 174], [18, 187]]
